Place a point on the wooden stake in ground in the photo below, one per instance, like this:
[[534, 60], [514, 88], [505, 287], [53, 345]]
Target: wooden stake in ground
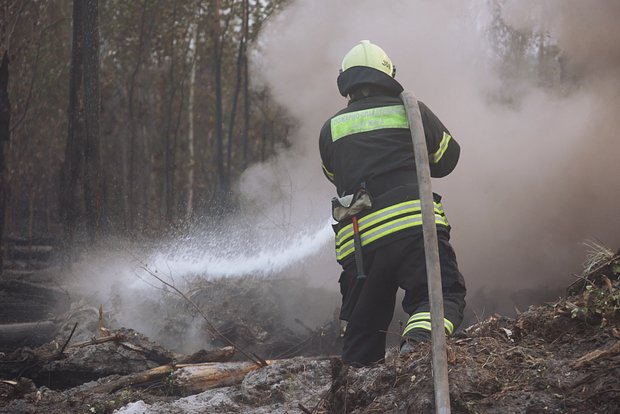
[[431, 252]]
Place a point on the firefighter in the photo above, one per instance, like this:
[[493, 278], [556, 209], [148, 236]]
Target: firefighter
[[366, 148]]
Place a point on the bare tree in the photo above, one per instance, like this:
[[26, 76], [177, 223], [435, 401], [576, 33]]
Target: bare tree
[[189, 201], [81, 193], [70, 200], [131, 159], [217, 80], [246, 83], [93, 185], [5, 123], [241, 57], [169, 144]]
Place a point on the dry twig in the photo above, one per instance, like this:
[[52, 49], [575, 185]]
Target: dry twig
[[62, 350], [597, 354], [96, 341], [252, 357]]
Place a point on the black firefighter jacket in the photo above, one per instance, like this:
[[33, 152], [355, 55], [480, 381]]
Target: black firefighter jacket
[[369, 143]]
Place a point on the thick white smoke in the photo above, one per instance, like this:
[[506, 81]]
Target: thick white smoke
[[535, 179]]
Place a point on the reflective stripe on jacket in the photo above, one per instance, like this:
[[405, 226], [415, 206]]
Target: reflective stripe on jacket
[[385, 222]]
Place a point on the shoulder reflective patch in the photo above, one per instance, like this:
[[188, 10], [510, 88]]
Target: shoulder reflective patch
[[369, 120], [443, 146], [328, 174]]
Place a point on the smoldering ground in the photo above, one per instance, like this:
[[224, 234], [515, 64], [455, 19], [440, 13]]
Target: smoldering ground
[[537, 175]]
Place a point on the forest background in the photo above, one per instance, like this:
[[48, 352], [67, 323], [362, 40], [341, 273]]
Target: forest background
[[129, 118]]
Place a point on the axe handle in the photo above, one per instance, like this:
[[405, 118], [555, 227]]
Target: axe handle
[[357, 241]]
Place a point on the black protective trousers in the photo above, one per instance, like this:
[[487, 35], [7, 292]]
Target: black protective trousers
[[368, 304]]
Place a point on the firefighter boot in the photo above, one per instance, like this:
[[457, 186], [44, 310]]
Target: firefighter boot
[[412, 338]]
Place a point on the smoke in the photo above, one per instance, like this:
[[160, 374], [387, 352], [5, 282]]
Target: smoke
[[537, 177]]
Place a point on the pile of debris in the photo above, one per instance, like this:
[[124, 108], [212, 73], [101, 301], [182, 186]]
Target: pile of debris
[[557, 357], [74, 361]]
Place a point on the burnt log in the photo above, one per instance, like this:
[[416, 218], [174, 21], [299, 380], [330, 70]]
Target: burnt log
[[27, 334], [30, 252], [196, 378], [213, 355], [59, 365], [183, 379], [22, 301]]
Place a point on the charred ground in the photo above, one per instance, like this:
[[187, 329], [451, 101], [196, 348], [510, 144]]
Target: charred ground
[[558, 357]]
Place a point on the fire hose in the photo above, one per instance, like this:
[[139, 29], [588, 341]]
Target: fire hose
[[431, 252]]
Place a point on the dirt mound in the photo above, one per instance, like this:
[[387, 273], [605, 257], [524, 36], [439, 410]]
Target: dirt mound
[[558, 357]]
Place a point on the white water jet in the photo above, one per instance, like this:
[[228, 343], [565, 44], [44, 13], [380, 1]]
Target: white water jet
[[241, 255]]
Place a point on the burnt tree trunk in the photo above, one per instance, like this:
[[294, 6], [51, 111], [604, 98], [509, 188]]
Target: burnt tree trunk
[[5, 121], [217, 73], [93, 182], [191, 105], [169, 141], [81, 192], [131, 157], [241, 57], [70, 200], [246, 91]]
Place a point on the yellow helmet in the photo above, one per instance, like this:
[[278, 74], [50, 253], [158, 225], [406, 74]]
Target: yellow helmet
[[369, 55]]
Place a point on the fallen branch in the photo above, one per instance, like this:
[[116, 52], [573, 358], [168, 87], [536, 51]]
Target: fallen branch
[[103, 331], [304, 409], [97, 341], [196, 378], [597, 354], [139, 378], [185, 379], [214, 355], [64, 346], [31, 334]]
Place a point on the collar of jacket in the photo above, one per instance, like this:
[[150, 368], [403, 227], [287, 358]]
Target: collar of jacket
[[367, 91], [361, 75]]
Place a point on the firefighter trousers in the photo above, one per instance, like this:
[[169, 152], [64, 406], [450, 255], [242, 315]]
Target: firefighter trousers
[[368, 304]]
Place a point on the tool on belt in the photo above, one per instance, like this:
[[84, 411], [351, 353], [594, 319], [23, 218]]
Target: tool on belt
[[348, 207]]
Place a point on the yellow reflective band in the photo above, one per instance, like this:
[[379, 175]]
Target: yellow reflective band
[[443, 146], [426, 316], [383, 230], [378, 232], [369, 120], [329, 175], [379, 216], [448, 325], [391, 227], [418, 325], [345, 250], [422, 320], [384, 214]]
